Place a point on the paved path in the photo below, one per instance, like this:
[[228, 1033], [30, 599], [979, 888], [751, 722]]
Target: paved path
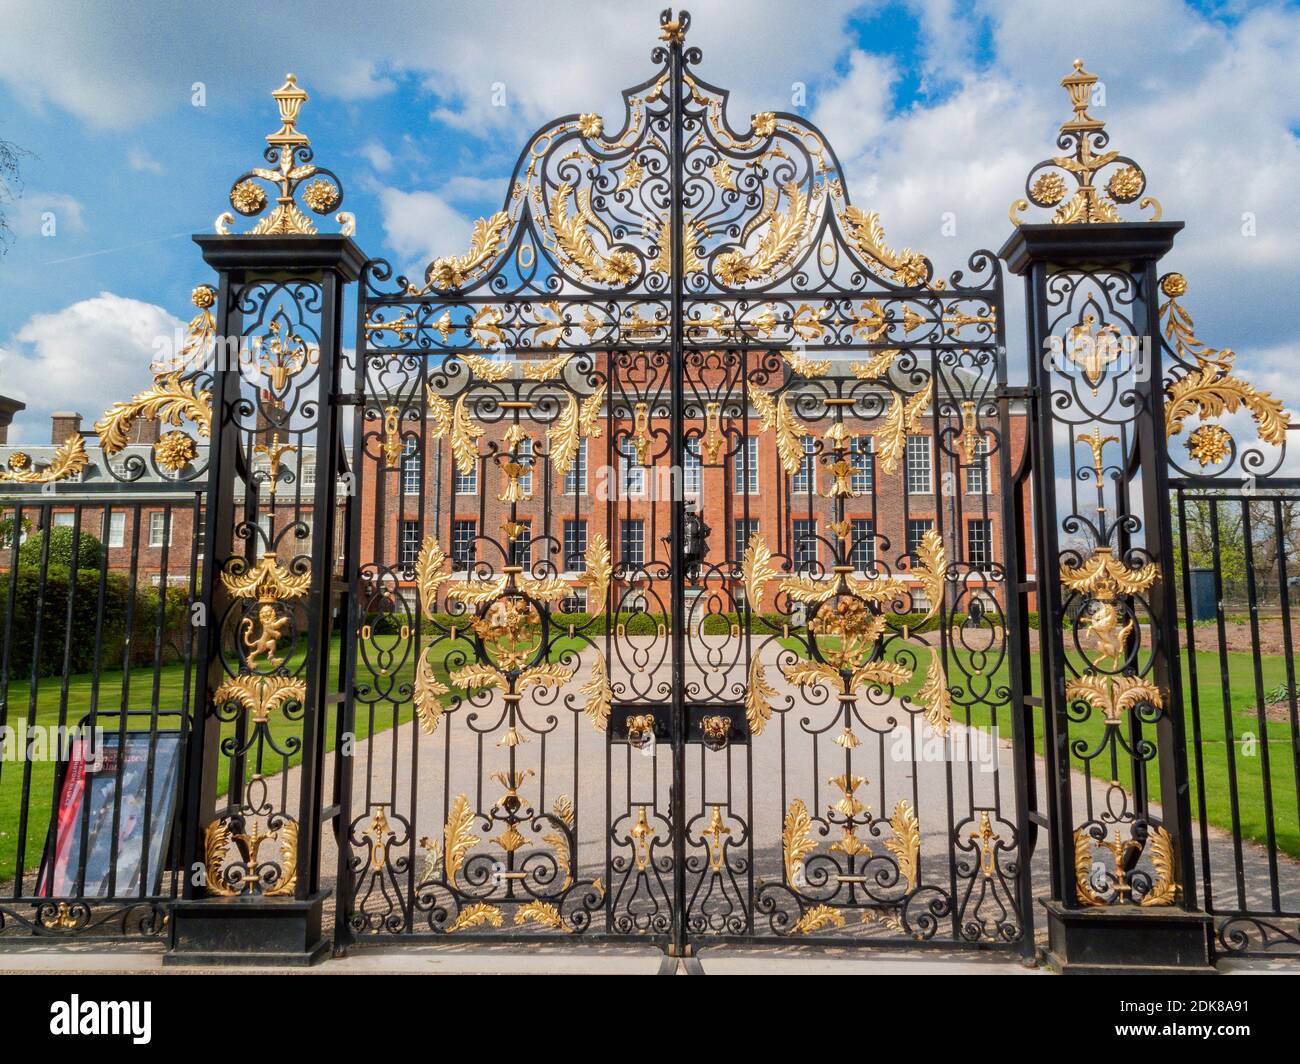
[[414, 773]]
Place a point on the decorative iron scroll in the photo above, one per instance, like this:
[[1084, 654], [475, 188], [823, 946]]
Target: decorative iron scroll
[[181, 393], [631, 298], [1086, 160], [1200, 386], [1108, 578], [262, 625]]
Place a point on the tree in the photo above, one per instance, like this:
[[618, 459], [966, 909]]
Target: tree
[[10, 187]]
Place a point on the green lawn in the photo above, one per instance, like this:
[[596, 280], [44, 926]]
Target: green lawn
[[1244, 723]]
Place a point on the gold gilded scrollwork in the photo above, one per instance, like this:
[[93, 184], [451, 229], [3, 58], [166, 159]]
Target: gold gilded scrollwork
[[598, 572], [485, 241], [902, 420], [775, 416], [218, 839], [796, 842], [908, 267], [1210, 390], [573, 237], [598, 692], [69, 460], [172, 399], [785, 234], [579, 421], [758, 695], [906, 843]]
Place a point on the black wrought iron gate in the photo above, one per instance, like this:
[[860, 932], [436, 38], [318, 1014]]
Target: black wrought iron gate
[[684, 513]]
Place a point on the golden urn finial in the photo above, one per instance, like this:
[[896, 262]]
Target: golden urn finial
[[290, 98], [291, 169]]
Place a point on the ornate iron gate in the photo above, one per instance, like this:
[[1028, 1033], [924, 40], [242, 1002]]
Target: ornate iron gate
[[686, 514]]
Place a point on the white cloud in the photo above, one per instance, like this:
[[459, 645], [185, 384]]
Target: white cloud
[[377, 156], [83, 357], [420, 226], [140, 160]]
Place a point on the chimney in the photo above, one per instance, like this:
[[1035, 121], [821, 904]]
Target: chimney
[[145, 430], [8, 408], [63, 425]]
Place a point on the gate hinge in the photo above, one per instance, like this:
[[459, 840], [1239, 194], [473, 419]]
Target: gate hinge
[[344, 399]]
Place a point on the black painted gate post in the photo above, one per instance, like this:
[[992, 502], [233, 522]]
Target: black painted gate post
[[1115, 746], [254, 797]]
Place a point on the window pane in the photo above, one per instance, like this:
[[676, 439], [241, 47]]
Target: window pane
[[918, 465], [575, 480], [863, 556], [410, 467], [462, 544], [408, 543], [691, 467], [745, 473], [744, 530], [632, 542], [805, 544], [804, 481], [575, 546]]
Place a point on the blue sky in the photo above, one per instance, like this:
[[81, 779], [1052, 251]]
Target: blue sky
[[936, 108]]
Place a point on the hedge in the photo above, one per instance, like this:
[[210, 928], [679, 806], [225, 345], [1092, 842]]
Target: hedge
[[86, 614], [90, 551]]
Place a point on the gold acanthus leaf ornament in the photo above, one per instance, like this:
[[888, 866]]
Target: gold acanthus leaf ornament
[[935, 696], [573, 236], [489, 369], [775, 416], [796, 842], [599, 570], [1210, 390], [876, 366], [784, 235], [1102, 576], [464, 432], [907, 267], [543, 913], [931, 569], [756, 570], [599, 694], [476, 915], [818, 918], [485, 241], [1164, 891], [458, 837], [428, 694], [1114, 695], [477, 592], [1083, 888], [578, 421], [440, 415], [171, 400], [906, 843], [430, 573], [69, 460], [901, 421], [260, 694], [562, 818], [267, 581], [806, 367], [758, 693]]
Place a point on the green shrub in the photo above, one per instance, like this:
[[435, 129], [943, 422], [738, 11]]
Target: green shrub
[[90, 551]]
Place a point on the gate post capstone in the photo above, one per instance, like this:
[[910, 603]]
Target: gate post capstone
[[253, 801], [1123, 896]]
